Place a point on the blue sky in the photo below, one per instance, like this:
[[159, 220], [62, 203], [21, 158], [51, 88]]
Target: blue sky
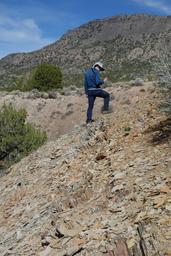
[[27, 25]]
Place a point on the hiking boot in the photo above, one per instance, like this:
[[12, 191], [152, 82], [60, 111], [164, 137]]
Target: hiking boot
[[107, 111], [90, 121]]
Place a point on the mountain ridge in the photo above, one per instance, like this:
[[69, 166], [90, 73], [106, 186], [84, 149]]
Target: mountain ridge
[[123, 42]]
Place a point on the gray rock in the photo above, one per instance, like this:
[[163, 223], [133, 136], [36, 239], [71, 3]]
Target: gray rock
[[34, 94], [137, 82], [44, 95], [117, 188], [53, 95]]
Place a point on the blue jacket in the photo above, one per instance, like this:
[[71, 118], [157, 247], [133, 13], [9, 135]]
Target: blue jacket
[[92, 79]]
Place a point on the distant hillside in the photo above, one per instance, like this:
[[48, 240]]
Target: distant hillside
[[128, 45]]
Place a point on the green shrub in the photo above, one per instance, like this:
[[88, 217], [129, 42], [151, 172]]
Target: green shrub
[[46, 77], [43, 77], [17, 138]]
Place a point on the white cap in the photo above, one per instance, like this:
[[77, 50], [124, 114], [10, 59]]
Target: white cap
[[100, 64]]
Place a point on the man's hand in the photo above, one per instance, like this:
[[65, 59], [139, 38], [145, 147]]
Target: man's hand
[[105, 79]]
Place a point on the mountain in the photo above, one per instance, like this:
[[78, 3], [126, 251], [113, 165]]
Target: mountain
[[127, 44], [97, 188]]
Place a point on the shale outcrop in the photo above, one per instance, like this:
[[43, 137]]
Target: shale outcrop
[[101, 189]]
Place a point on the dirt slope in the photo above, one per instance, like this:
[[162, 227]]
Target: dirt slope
[[82, 193]]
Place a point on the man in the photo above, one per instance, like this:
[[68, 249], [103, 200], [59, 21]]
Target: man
[[92, 83]]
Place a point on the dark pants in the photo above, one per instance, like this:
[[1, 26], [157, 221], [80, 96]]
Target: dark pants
[[92, 94]]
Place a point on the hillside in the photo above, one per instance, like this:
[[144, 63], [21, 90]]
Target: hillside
[[128, 45], [94, 188]]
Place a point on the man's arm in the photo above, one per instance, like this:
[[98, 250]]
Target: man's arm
[[85, 85], [98, 80]]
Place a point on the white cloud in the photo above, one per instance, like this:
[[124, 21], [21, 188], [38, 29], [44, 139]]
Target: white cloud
[[160, 5], [21, 35], [13, 31]]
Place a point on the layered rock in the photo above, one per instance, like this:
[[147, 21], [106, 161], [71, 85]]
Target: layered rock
[[99, 190]]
